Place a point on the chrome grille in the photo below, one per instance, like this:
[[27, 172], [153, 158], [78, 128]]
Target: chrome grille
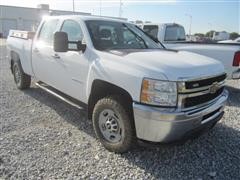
[[194, 93], [197, 100], [204, 82]]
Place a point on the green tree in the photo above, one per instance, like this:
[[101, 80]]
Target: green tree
[[233, 35], [199, 34], [210, 33]]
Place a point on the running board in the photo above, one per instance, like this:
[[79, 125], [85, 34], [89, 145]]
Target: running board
[[58, 95]]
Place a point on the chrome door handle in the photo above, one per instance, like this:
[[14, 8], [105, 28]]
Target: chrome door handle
[[56, 56]]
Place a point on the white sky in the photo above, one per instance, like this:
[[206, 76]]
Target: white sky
[[81, 5], [206, 15]]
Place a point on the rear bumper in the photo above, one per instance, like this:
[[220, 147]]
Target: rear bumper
[[167, 125]]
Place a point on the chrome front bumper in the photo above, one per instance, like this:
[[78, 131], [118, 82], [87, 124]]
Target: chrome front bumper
[[166, 125]]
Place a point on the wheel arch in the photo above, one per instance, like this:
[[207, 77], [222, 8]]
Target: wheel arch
[[101, 88]]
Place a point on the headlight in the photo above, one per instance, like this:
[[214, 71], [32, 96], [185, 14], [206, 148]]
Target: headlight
[[161, 93]]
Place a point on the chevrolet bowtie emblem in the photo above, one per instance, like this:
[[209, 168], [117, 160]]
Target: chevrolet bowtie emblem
[[214, 87]]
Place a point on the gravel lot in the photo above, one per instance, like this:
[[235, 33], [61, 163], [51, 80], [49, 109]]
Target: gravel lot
[[42, 137]]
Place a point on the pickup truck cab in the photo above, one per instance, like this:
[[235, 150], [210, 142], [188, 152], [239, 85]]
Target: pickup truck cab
[[172, 36], [133, 88]]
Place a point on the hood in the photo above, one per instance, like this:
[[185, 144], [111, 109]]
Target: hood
[[175, 65]]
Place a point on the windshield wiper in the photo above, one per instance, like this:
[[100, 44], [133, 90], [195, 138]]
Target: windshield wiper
[[151, 37], [139, 37]]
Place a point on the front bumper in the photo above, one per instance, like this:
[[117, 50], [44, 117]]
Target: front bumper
[[167, 125]]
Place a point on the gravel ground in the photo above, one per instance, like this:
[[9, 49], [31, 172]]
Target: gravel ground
[[44, 138]]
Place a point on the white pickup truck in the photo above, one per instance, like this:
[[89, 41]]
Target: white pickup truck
[[134, 89], [172, 36]]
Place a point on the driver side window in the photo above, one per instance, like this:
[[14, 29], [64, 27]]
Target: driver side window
[[73, 29]]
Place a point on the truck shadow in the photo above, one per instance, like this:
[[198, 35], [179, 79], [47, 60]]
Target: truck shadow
[[70, 114], [215, 154]]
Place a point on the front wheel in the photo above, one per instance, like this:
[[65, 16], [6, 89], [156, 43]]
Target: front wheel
[[113, 125]]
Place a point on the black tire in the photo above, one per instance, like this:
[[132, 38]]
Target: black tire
[[22, 80], [128, 138]]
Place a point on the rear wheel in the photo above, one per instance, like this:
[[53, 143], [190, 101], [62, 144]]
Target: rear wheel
[[113, 124], [21, 79]]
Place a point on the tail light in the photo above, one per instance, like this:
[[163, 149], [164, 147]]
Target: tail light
[[236, 59]]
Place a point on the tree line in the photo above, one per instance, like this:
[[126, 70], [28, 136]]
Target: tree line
[[233, 35]]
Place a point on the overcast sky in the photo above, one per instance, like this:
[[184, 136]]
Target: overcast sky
[[206, 15]]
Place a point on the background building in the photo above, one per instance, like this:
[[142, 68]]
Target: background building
[[23, 18]]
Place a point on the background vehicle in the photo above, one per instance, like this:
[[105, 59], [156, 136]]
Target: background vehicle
[[220, 36], [237, 40], [173, 36], [132, 87]]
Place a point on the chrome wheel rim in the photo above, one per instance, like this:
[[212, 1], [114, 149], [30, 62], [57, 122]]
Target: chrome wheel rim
[[17, 75], [111, 126]]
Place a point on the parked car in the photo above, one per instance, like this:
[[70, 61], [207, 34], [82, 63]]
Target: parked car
[[173, 36], [133, 88], [237, 40]]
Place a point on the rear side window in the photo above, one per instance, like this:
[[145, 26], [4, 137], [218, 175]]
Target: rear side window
[[175, 33], [47, 31], [73, 30], [151, 30]]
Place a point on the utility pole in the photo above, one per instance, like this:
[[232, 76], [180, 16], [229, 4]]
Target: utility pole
[[120, 8], [73, 3], [190, 26], [100, 10]]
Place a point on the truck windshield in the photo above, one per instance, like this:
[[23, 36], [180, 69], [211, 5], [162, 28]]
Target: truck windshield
[[108, 35], [175, 33]]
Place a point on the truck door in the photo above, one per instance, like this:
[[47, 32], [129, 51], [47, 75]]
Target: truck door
[[43, 60], [73, 65]]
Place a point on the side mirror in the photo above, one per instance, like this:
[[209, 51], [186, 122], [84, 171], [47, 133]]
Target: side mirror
[[60, 42], [81, 47], [76, 46]]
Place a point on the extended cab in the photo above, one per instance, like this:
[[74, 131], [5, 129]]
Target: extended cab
[[134, 88], [172, 36]]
